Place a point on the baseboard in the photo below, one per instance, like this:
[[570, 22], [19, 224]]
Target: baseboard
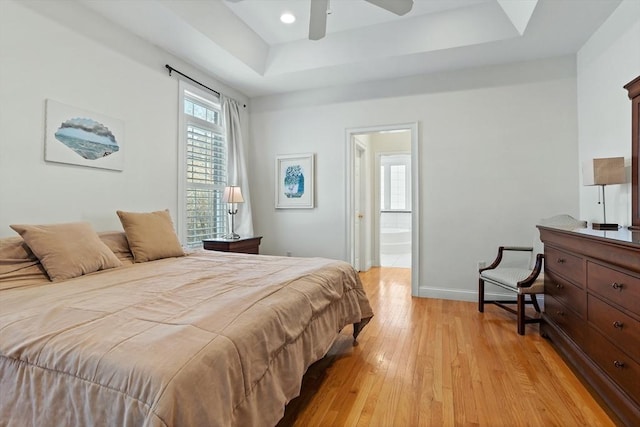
[[459, 294]]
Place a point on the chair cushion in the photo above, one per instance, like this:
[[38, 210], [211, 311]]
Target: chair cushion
[[508, 278]]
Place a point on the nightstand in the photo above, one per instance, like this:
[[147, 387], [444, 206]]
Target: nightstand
[[245, 245]]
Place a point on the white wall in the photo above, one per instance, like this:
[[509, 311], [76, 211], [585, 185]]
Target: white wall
[[64, 52], [498, 150], [608, 61]]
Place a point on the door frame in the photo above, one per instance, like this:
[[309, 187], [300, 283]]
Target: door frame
[[351, 142], [364, 261]]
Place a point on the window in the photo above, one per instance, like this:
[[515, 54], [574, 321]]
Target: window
[[203, 168], [395, 177], [397, 186]]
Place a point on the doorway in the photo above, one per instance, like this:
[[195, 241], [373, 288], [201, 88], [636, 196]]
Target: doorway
[[376, 227], [393, 184]]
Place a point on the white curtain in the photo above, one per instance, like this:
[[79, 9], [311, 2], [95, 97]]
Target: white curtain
[[236, 166]]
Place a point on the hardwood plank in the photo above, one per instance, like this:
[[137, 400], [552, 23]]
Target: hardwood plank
[[430, 362]]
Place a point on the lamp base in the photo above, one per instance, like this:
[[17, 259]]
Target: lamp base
[[232, 236], [604, 226]]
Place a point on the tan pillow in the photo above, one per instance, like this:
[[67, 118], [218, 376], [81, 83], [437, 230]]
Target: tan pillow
[[67, 250], [150, 235], [117, 242], [18, 265]]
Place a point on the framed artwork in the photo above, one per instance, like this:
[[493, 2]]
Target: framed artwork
[[80, 137], [295, 181]]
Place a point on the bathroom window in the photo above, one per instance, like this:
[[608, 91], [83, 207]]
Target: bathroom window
[[395, 182]]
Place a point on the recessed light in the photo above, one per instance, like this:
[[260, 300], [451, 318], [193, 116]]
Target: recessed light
[[288, 18]]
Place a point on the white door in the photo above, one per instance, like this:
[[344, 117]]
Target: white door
[[358, 208]]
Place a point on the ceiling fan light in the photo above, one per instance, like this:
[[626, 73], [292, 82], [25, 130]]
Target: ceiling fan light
[[287, 18]]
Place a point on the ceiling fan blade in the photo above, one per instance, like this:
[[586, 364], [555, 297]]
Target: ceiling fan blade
[[318, 19], [399, 7]]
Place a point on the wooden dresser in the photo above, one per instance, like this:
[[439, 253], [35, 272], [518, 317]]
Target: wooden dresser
[[592, 312]]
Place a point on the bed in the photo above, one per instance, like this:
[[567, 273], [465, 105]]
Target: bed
[[205, 339]]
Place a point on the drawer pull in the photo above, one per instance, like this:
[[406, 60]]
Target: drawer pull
[[618, 364], [559, 313], [561, 260], [617, 286], [559, 286], [618, 324]]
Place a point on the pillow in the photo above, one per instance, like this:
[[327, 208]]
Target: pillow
[[150, 235], [117, 242], [67, 250], [18, 265]]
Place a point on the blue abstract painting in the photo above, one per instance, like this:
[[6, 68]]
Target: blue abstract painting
[[294, 182], [295, 185]]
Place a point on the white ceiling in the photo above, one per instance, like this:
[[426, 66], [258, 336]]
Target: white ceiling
[[263, 16], [243, 43]]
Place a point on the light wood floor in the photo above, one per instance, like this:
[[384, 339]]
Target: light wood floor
[[429, 362]]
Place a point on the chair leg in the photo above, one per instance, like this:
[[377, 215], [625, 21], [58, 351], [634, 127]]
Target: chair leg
[[520, 314], [534, 300], [481, 295]]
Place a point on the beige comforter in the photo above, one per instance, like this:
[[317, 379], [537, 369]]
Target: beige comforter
[[210, 339]]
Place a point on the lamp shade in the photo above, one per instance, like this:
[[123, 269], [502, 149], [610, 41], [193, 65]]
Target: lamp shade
[[604, 171], [232, 194]]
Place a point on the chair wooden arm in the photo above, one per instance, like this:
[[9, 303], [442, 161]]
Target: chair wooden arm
[[534, 274], [501, 249]]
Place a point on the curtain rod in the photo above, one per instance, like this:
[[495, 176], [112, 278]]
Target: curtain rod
[[170, 68]]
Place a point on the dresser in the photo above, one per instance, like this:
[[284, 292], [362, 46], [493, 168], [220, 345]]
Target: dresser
[[592, 312]]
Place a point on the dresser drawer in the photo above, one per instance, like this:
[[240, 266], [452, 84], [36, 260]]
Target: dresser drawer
[[621, 368], [564, 264], [614, 285], [564, 318], [565, 292], [620, 329]]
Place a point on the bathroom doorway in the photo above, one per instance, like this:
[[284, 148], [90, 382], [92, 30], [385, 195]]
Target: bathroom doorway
[[382, 198], [394, 209]]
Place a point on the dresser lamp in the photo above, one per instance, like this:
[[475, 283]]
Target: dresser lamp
[[232, 195], [603, 172]]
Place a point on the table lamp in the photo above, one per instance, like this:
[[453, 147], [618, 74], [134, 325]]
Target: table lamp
[[232, 195], [604, 172]]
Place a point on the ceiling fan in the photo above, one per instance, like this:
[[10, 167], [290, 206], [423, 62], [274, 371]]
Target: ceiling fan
[[320, 10]]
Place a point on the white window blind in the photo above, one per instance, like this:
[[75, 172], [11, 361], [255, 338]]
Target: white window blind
[[205, 214]]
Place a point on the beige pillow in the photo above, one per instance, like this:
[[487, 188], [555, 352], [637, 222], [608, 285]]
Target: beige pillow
[[117, 242], [67, 250], [18, 265], [150, 235]]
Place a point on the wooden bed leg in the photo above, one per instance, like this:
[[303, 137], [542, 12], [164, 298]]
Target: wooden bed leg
[[357, 328]]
